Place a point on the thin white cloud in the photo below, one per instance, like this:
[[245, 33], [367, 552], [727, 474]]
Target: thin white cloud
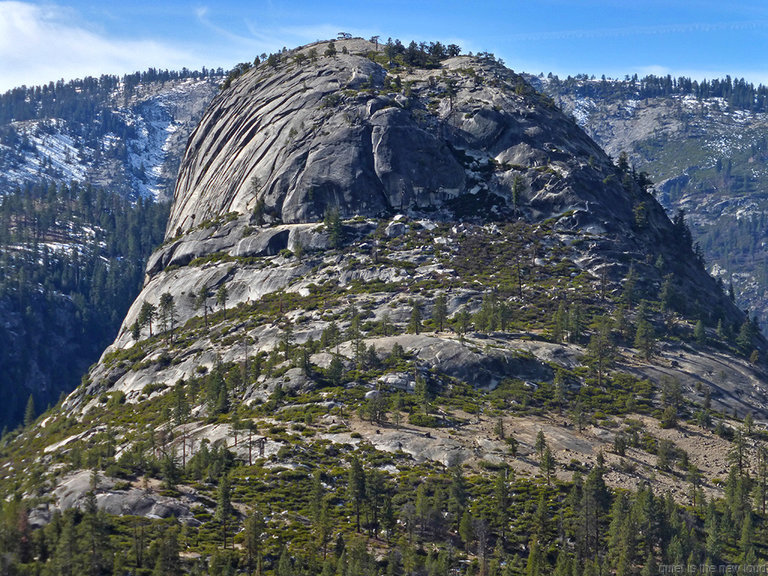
[[40, 44], [260, 38]]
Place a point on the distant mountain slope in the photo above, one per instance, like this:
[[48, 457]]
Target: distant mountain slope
[[81, 165], [126, 133], [706, 147]]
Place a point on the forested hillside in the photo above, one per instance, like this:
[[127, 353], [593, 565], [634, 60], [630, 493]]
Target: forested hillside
[[72, 259], [124, 133], [737, 93], [81, 164]]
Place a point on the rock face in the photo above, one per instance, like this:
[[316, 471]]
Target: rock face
[[337, 132], [470, 146]]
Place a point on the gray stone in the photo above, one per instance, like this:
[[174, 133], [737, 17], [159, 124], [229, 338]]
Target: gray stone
[[395, 229], [267, 243]]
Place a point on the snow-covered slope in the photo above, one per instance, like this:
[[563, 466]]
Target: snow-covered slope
[[133, 142]]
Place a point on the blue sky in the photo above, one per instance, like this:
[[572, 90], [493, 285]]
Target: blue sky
[[44, 41]]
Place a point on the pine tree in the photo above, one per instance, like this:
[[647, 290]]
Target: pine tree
[[560, 390], [540, 520], [501, 501], [592, 509], [548, 464], [601, 349], [356, 488], [305, 360], [223, 506], [541, 444], [721, 331], [440, 312], [286, 340], [284, 564], [135, 331], [712, 544], [746, 541], [457, 494], [222, 295], [467, 530], [335, 370], [67, 548], [421, 392], [512, 445], [147, 314], [649, 568], [644, 336], [375, 490], [414, 324], [575, 323], [693, 476], [535, 565], [334, 227], [563, 565], [201, 301], [630, 287], [699, 333], [667, 294], [747, 333], [29, 412], [168, 562], [749, 422], [462, 321], [95, 534], [254, 541], [167, 313], [498, 429], [323, 527]]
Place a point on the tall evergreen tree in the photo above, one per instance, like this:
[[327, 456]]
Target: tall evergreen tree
[[356, 488], [414, 324], [29, 412], [224, 508], [167, 313], [201, 301], [168, 562], [147, 314], [440, 312], [645, 340], [254, 541], [222, 296]]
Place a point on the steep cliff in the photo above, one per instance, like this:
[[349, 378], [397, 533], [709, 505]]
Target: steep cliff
[[343, 132]]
